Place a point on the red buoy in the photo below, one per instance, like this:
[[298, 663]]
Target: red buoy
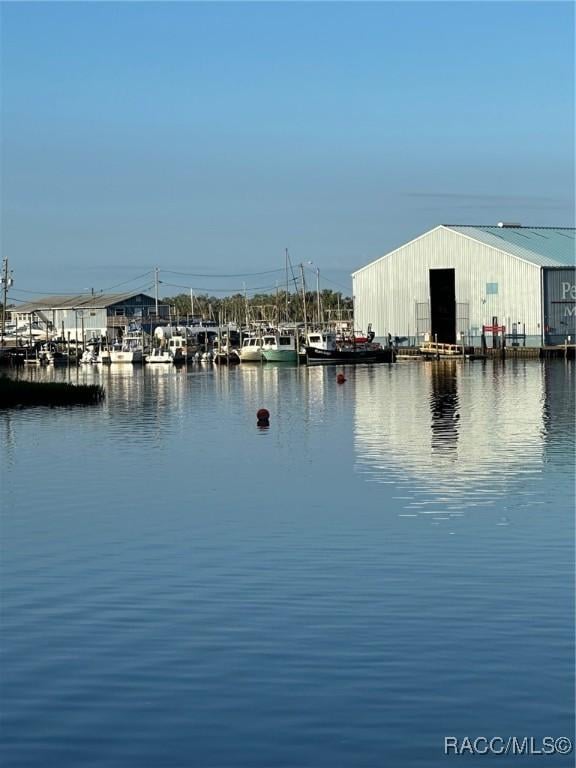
[[263, 414], [340, 378]]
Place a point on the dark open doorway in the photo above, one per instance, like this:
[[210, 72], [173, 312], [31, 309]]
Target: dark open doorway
[[443, 305]]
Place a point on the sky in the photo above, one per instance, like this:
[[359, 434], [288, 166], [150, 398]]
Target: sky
[[206, 138]]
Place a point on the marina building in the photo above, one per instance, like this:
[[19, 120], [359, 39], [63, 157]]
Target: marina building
[[453, 280], [84, 316]]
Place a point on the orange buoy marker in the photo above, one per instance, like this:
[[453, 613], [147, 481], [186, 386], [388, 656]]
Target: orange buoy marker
[[263, 417], [340, 378]]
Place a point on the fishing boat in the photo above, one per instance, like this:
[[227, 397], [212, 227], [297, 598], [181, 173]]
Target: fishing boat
[[323, 348], [128, 350], [182, 341], [251, 350], [280, 348], [124, 354], [180, 348]]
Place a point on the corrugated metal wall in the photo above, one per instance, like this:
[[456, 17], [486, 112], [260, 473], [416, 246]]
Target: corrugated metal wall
[[387, 292], [94, 321], [559, 305]]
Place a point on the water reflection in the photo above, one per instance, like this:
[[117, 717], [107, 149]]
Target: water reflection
[[453, 434], [559, 410], [168, 568], [446, 434], [444, 407]]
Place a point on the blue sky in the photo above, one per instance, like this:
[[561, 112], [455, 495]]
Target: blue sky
[[205, 138]]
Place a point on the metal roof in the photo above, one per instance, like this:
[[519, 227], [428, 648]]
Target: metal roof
[[544, 246], [79, 301]]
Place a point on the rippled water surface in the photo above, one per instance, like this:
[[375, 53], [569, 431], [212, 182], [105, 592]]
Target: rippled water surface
[[390, 563]]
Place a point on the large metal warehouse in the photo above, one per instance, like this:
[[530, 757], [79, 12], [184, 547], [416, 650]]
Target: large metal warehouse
[[453, 280]]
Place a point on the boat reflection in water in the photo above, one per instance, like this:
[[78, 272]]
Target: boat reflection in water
[[451, 434]]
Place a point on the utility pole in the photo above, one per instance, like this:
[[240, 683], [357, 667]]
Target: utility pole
[[7, 282]]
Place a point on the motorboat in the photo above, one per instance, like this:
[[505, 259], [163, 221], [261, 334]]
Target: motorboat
[[322, 347], [280, 348], [89, 356], [160, 355], [129, 349], [251, 350], [225, 354]]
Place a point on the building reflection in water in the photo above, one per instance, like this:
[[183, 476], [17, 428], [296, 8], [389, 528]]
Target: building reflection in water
[[559, 409], [444, 407], [450, 434]]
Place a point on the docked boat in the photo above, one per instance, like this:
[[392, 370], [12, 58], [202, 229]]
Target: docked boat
[[182, 341], [251, 350], [323, 348], [224, 354], [180, 349], [158, 355], [279, 348], [129, 350], [125, 354], [89, 356]]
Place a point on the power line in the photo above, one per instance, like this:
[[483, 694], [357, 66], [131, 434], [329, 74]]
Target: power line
[[52, 293], [238, 274], [133, 279], [236, 289]]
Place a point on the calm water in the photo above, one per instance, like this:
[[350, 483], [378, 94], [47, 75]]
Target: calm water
[[390, 563]]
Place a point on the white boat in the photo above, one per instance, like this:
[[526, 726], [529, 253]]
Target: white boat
[[181, 340], [251, 351], [125, 354], [89, 356], [180, 348], [129, 350], [280, 348], [159, 355]]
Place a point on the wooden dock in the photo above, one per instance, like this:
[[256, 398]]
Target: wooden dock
[[437, 351]]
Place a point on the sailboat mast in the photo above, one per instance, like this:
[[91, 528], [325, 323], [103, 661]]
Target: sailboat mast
[[156, 281], [304, 300], [287, 317], [318, 297]]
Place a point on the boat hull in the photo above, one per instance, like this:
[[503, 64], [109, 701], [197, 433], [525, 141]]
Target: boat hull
[[130, 356], [349, 356], [251, 355], [280, 355], [165, 359]]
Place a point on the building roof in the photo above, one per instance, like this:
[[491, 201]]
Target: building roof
[[79, 301], [544, 246]]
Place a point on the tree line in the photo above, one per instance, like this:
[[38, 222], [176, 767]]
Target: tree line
[[276, 308]]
